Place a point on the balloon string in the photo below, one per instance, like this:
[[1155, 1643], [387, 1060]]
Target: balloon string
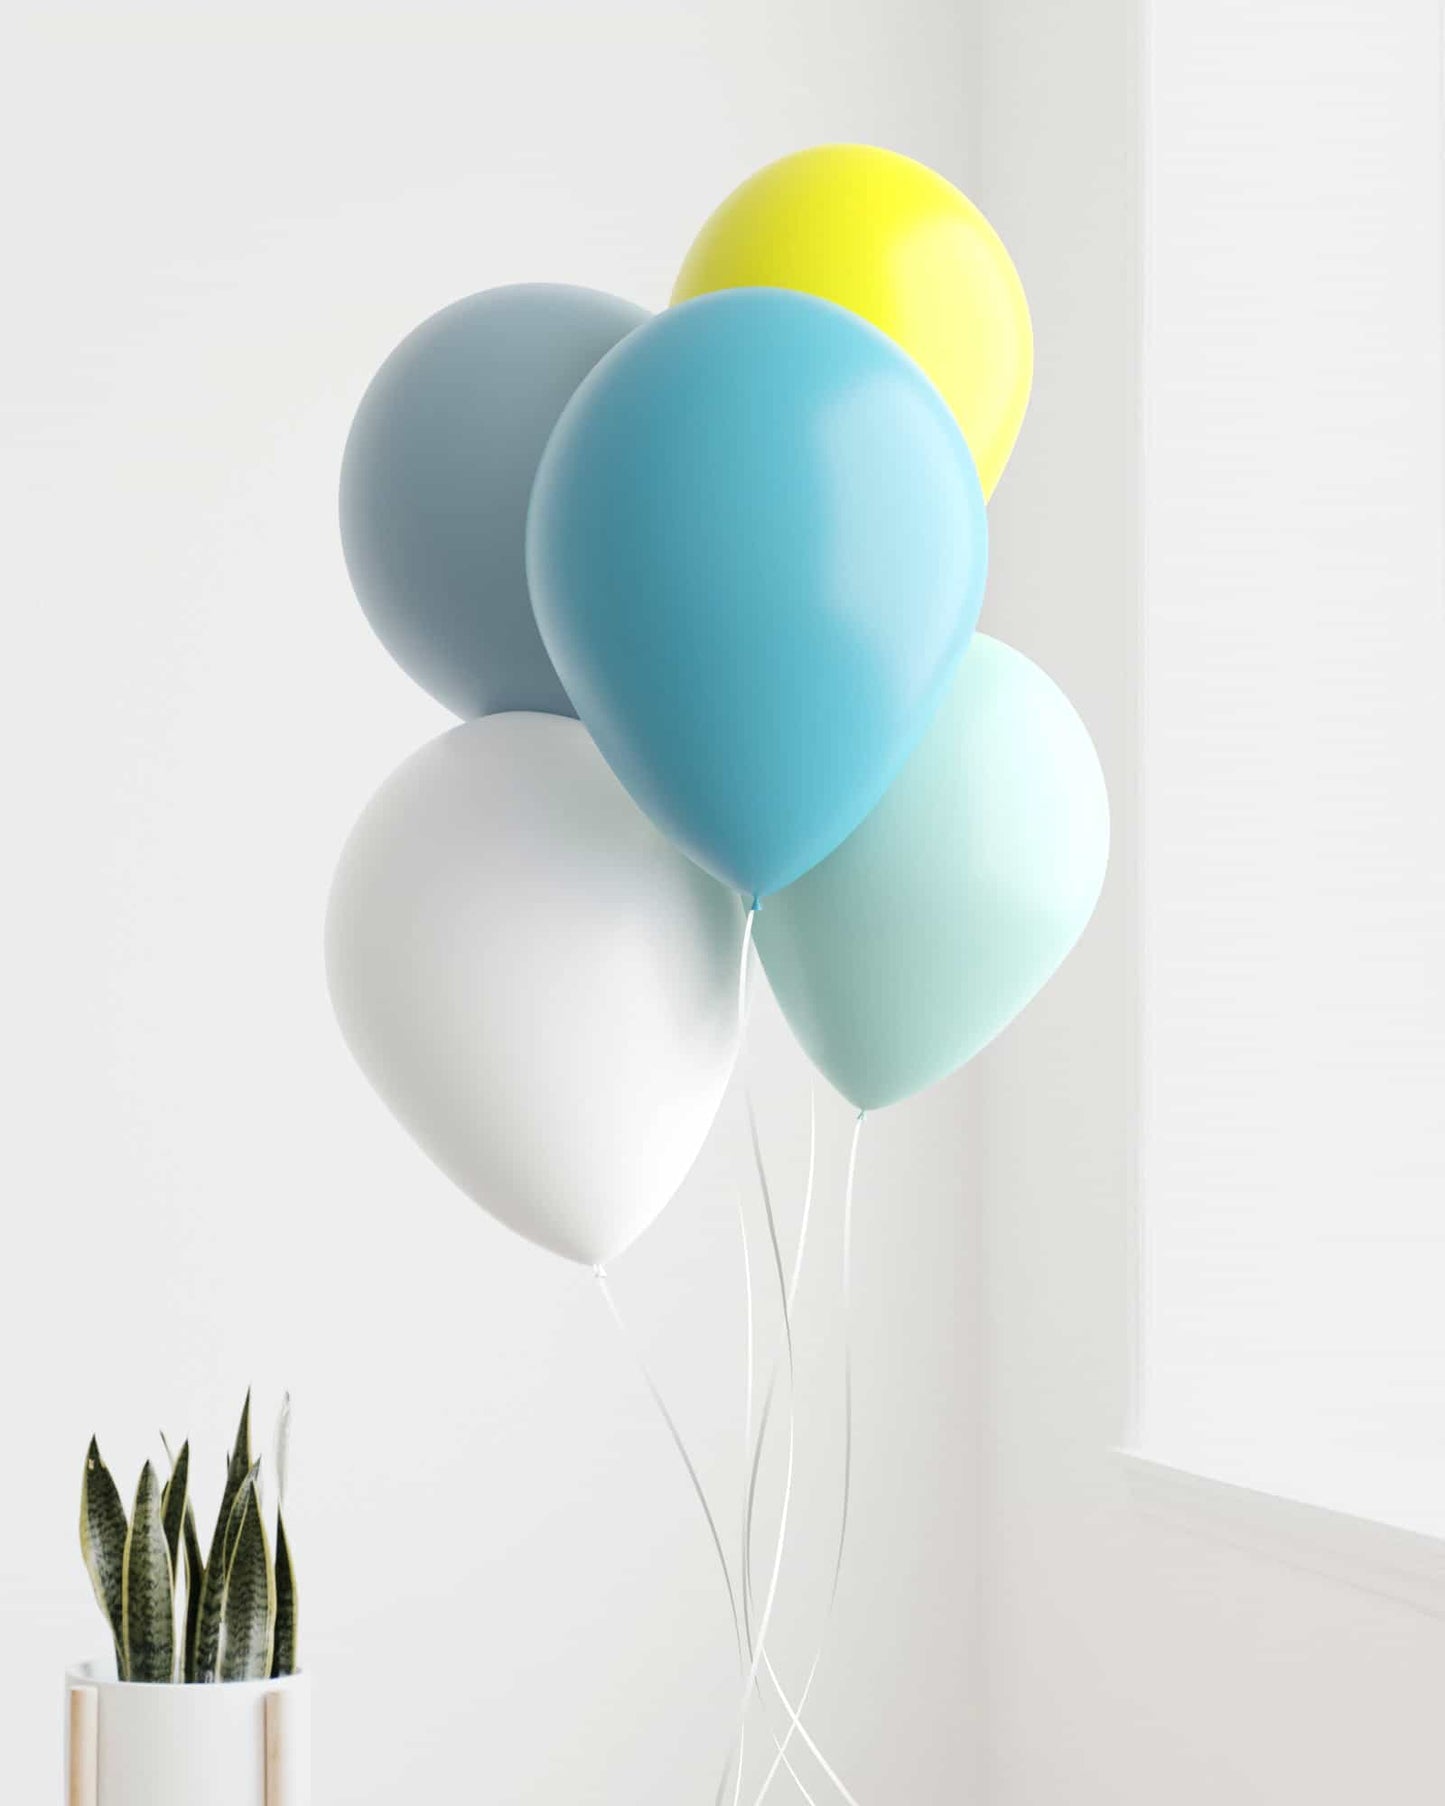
[[603, 1286], [747, 1442], [786, 1292], [743, 968], [606, 1290], [795, 1712], [807, 1194], [754, 1453], [748, 1327], [743, 971], [752, 1684], [787, 1322], [749, 920]]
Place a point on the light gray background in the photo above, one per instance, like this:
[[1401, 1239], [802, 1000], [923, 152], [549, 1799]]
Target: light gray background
[[1148, 1639], [216, 230], [219, 221]]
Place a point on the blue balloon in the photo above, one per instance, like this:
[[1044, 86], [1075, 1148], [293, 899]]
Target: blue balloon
[[435, 482], [757, 548]]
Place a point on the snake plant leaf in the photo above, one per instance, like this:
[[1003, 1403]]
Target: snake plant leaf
[[250, 1494], [195, 1562], [195, 1575], [174, 1500], [205, 1630], [283, 1450], [102, 1543], [238, 1465], [248, 1620], [148, 1628], [210, 1623], [205, 1646], [283, 1659], [241, 1453]]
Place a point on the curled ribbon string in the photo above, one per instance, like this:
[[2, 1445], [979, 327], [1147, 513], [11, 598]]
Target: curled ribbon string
[[770, 1598], [603, 1286], [744, 969], [606, 1290], [748, 1329], [743, 964], [795, 1711], [736, 1757], [754, 1451], [747, 1438], [752, 1456], [599, 1274], [742, 1628]]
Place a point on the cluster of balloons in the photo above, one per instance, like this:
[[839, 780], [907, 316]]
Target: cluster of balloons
[[704, 588]]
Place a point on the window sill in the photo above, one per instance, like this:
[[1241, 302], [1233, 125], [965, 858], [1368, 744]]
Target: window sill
[[1403, 1565]]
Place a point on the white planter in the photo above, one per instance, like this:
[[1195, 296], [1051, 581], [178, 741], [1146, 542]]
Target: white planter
[[233, 1743]]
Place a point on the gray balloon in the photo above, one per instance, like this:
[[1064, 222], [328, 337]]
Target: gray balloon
[[437, 476]]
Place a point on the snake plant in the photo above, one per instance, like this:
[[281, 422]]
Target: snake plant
[[176, 1614]]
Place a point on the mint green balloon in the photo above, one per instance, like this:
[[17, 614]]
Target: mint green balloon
[[925, 933]]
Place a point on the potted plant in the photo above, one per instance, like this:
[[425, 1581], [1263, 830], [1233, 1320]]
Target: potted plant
[[201, 1703]]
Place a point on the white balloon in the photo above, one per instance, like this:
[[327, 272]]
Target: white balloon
[[542, 989]]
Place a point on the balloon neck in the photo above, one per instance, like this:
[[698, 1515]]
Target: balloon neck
[[755, 905]]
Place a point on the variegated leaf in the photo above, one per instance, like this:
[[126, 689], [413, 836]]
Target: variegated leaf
[[241, 1451], [148, 1630], [102, 1543], [283, 1659], [283, 1450], [250, 1494], [195, 1575], [248, 1619], [206, 1636], [174, 1501]]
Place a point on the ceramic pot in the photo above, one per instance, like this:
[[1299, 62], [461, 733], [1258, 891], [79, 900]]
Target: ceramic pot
[[231, 1743]]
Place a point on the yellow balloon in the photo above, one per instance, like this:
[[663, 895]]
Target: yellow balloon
[[890, 239]]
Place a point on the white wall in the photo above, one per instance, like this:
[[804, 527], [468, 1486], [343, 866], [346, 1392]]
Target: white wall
[[1131, 1658], [1292, 831], [218, 222]]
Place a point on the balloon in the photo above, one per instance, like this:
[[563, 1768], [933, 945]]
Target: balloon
[[757, 547], [541, 989], [435, 481], [887, 237], [931, 927]]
